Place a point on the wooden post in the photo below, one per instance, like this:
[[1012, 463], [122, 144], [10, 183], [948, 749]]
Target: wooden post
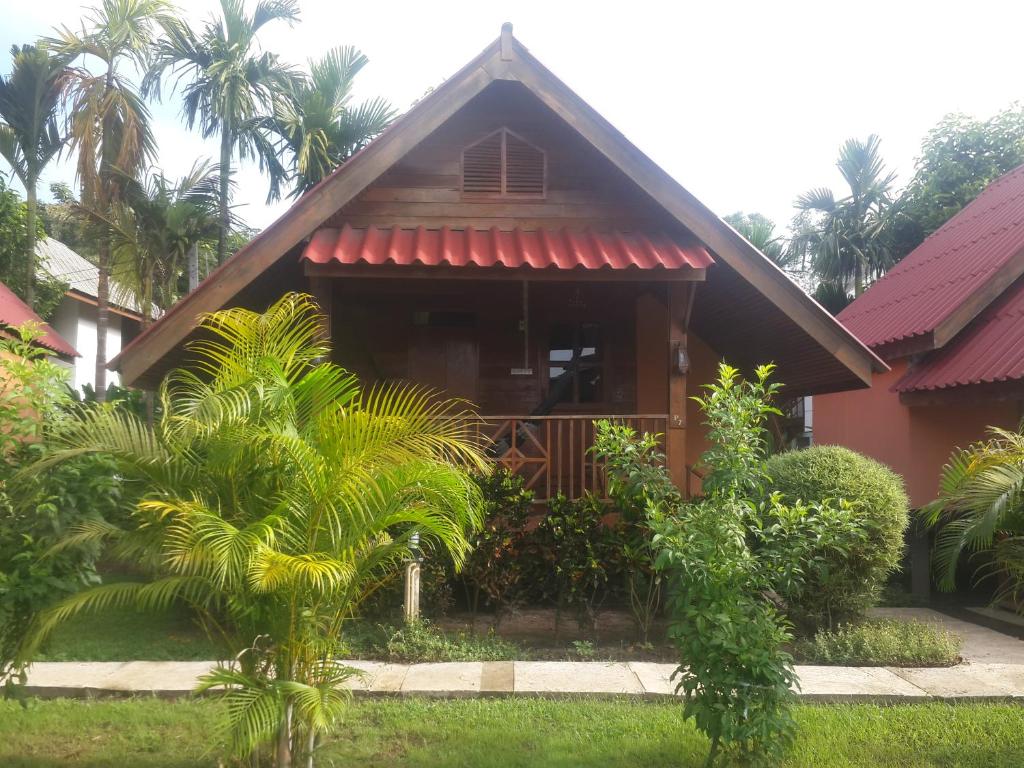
[[680, 301]]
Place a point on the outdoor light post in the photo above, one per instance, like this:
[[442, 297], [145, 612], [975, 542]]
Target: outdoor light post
[[412, 582]]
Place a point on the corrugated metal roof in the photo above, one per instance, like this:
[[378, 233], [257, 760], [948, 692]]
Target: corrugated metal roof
[[536, 249], [989, 350], [938, 276], [14, 312], [59, 261]]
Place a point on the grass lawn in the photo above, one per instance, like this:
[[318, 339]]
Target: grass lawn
[[119, 635], [145, 733]]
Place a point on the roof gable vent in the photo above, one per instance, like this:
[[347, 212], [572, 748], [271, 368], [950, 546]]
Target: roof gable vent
[[503, 164]]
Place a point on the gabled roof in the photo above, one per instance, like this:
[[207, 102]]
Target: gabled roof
[[933, 293], [507, 59], [14, 313], [81, 275]]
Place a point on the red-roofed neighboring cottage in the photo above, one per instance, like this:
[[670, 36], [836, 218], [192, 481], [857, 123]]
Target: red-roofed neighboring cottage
[[14, 313], [949, 321]]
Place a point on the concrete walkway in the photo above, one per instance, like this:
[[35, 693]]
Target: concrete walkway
[[976, 681]]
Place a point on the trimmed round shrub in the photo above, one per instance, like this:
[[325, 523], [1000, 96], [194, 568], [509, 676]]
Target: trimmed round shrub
[[842, 582]]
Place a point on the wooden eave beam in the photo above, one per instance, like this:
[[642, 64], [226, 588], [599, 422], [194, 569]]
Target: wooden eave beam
[[965, 395]]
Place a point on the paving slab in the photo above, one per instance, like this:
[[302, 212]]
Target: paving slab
[[655, 677], [377, 677], [449, 679], [497, 677], [819, 683], [575, 677], [968, 681]]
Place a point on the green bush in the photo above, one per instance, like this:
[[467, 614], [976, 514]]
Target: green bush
[[734, 675], [38, 510], [881, 643], [849, 576], [421, 641]]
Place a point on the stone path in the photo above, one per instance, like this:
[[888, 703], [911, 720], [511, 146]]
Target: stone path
[[977, 681], [993, 668]]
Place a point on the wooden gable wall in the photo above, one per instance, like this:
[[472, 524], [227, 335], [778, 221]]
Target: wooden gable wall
[[583, 189]]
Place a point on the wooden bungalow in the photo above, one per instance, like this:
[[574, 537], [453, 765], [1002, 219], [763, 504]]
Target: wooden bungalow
[[503, 242]]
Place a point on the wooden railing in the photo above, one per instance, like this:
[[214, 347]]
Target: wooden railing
[[552, 453]]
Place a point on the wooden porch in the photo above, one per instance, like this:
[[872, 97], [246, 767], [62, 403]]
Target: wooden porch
[[541, 361]]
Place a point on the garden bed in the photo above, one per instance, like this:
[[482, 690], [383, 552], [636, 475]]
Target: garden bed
[[150, 733], [528, 634]]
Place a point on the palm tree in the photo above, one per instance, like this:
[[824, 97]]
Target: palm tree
[[276, 494], [109, 123], [980, 509], [319, 125], [760, 232], [849, 239], [155, 229], [230, 88], [29, 134]]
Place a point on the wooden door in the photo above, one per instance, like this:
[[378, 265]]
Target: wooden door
[[447, 359]]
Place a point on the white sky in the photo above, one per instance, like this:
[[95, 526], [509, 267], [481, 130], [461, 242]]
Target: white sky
[[744, 103]]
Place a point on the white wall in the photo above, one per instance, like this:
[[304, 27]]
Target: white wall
[[76, 321]]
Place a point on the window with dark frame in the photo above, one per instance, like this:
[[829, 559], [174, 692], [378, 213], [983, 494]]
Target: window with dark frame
[[576, 364]]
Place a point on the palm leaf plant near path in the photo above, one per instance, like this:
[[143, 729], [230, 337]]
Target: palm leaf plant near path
[[980, 511], [276, 493]]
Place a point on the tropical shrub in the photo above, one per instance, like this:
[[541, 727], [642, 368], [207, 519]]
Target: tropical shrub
[[575, 555], [852, 563], [494, 568], [980, 511], [734, 675], [37, 510], [277, 494], [637, 482]]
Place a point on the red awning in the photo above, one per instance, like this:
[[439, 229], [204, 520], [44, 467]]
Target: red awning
[[536, 249], [14, 313]]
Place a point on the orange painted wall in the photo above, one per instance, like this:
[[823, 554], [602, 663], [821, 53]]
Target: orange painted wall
[[914, 441]]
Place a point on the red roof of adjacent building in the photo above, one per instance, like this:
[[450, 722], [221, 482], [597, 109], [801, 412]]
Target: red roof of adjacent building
[[14, 312], [989, 350], [536, 249], [952, 264]]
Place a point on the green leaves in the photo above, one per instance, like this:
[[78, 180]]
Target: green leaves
[[980, 508], [276, 493]]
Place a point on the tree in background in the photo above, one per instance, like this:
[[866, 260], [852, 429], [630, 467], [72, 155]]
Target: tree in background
[[109, 123], [13, 239], [231, 88], [29, 133], [320, 126], [156, 227], [848, 241], [760, 232], [959, 158]]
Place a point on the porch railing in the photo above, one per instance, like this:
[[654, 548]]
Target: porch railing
[[552, 453]]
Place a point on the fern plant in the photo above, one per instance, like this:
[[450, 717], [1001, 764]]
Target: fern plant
[[276, 493], [980, 510]]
